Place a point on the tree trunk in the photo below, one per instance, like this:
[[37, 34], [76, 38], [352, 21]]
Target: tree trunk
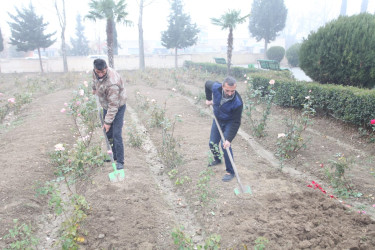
[[40, 61], [344, 3], [63, 49], [109, 31], [229, 50], [175, 58], [62, 20], [364, 6], [265, 48], [140, 31]]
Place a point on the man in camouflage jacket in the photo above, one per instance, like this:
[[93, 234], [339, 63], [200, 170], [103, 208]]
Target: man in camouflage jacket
[[109, 87]]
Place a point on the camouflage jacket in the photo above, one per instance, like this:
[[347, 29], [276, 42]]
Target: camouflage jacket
[[111, 92]]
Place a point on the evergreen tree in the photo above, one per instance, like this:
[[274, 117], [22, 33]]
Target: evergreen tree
[[267, 18], [28, 31], [80, 45], [1, 41], [181, 33]]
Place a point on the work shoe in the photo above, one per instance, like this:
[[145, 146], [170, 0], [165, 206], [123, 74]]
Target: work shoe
[[119, 166], [228, 177], [214, 163]]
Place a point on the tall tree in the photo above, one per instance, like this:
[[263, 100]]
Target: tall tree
[[229, 20], [344, 4], [180, 33], [62, 20], [80, 45], [142, 4], [267, 19], [364, 6], [27, 31], [112, 12]]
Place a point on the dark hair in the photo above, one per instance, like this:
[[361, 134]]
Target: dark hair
[[230, 81], [100, 64]]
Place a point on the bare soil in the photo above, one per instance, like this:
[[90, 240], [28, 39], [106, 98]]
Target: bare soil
[[142, 211]]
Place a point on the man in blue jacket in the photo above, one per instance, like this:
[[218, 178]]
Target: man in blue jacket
[[227, 106]]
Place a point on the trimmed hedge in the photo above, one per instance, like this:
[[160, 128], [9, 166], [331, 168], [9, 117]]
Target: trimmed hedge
[[341, 52], [237, 72], [276, 53], [292, 54], [349, 104]]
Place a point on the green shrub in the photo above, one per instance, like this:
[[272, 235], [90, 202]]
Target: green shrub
[[276, 53], [342, 52], [349, 104], [292, 54], [237, 72]]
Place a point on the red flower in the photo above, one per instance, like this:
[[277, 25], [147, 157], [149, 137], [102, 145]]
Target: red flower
[[372, 122]]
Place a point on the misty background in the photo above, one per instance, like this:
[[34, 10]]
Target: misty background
[[303, 17]]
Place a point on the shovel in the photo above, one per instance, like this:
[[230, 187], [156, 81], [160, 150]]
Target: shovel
[[242, 189], [116, 175]]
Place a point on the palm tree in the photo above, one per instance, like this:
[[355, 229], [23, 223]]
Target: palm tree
[[112, 12], [229, 20]]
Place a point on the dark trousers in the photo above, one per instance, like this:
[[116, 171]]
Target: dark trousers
[[115, 134], [215, 139]]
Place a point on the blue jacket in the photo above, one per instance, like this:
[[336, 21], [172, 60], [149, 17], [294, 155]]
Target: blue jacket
[[230, 112]]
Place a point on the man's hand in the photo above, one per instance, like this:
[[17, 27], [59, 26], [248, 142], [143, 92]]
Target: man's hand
[[208, 103], [93, 92], [106, 127], [226, 144]]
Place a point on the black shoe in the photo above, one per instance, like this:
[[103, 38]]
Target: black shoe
[[119, 166], [214, 163], [228, 177]]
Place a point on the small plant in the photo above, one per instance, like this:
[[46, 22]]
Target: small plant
[[55, 200], [212, 242], [337, 175], [69, 230], [142, 102], [157, 116], [172, 173], [291, 141], [255, 98], [182, 180], [260, 243], [184, 242], [21, 237], [168, 152], [135, 138], [203, 187], [200, 97], [84, 112], [181, 240], [76, 162]]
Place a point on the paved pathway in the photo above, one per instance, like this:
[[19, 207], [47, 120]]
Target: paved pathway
[[300, 75]]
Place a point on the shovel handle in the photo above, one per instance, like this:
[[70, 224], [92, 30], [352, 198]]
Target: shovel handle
[[228, 152], [105, 133]]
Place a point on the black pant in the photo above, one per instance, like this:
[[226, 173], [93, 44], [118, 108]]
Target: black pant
[[115, 133]]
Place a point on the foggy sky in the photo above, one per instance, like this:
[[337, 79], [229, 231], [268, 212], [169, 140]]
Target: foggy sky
[[156, 15]]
